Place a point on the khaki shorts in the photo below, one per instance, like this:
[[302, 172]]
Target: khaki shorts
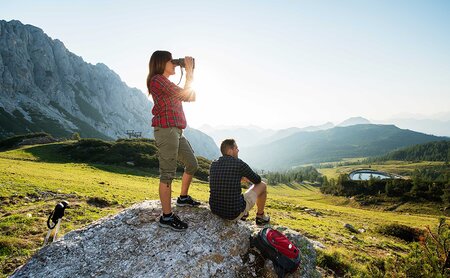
[[250, 201], [173, 146]]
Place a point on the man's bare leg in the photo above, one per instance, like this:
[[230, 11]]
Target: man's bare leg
[[261, 192]]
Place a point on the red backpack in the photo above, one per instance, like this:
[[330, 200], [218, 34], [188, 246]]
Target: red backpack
[[279, 249]]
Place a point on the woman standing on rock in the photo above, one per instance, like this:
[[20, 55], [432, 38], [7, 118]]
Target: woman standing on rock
[[168, 123]]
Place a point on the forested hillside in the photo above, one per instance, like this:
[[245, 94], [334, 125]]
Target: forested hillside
[[432, 151]]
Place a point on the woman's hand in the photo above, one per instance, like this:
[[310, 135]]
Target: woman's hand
[[189, 64], [189, 93]]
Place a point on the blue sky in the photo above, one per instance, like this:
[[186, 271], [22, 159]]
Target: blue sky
[[274, 64]]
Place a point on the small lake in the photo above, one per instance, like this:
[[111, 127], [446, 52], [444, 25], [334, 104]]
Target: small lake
[[363, 175]]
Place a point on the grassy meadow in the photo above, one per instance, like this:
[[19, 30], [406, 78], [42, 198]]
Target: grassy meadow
[[33, 179]]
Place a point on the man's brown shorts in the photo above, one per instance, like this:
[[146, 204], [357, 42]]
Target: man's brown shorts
[[250, 201]]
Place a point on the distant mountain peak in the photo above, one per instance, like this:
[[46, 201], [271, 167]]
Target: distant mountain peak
[[354, 121]]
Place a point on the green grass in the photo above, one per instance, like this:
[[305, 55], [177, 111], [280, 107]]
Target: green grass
[[33, 179]]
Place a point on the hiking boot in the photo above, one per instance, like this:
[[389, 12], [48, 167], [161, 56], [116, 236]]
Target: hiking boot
[[262, 220], [173, 222], [244, 217], [188, 201]]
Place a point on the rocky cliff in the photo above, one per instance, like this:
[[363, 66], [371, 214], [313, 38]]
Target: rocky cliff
[[45, 87], [131, 244]]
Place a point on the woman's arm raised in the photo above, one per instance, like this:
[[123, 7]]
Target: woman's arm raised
[[188, 92]]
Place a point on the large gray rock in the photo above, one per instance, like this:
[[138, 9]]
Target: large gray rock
[[45, 87], [131, 244]]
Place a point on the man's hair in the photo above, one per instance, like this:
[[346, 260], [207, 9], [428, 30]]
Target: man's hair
[[226, 144]]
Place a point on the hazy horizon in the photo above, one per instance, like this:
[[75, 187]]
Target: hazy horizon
[[274, 65], [437, 117]]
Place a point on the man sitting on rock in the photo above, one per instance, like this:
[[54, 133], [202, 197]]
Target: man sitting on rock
[[226, 199]]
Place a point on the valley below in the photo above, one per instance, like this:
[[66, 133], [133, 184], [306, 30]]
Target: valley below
[[31, 185]]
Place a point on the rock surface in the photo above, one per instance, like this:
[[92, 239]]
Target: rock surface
[[131, 244], [45, 87]]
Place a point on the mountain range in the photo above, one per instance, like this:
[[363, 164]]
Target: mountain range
[[269, 149], [334, 144], [247, 136], [45, 87], [426, 125]]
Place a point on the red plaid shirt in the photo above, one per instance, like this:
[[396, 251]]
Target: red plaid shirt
[[167, 98]]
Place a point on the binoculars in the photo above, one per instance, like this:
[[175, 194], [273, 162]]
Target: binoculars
[[180, 62]]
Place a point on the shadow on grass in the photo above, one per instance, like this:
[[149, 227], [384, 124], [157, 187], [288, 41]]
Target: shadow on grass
[[307, 187], [52, 153]]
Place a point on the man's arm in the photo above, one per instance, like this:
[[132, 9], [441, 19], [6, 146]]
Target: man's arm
[[248, 173]]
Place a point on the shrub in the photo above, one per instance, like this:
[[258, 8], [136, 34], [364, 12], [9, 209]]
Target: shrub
[[131, 149], [435, 246], [88, 149], [143, 140], [404, 232], [333, 261], [13, 141], [202, 174], [411, 265], [76, 136], [143, 152], [430, 258], [146, 160], [92, 143], [203, 168]]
